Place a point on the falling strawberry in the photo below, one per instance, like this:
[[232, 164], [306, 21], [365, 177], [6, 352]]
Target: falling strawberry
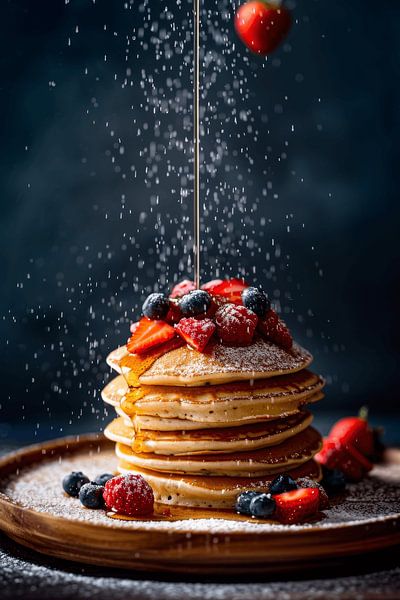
[[261, 26], [148, 334]]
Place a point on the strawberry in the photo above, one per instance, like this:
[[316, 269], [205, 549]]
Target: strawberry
[[355, 431], [195, 332], [216, 303], [182, 288], [174, 313], [229, 288], [275, 330], [149, 334], [134, 326], [346, 458], [297, 505], [306, 482], [262, 27], [210, 285], [235, 324]]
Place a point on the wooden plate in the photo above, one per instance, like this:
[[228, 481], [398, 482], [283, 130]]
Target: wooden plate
[[204, 546]]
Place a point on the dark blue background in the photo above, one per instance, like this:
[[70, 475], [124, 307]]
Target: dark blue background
[[70, 276]]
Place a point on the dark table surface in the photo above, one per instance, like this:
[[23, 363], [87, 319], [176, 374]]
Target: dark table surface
[[25, 574]]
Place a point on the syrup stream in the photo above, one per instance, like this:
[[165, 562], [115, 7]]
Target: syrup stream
[[196, 142]]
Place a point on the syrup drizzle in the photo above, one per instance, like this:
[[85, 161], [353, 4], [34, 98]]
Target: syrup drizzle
[[196, 142]]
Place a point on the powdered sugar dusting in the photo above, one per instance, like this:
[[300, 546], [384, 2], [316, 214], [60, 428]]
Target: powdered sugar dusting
[[39, 488], [261, 357]]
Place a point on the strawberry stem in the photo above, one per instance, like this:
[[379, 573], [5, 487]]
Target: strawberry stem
[[363, 413]]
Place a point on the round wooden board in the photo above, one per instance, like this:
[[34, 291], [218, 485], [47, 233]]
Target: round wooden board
[[182, 547]]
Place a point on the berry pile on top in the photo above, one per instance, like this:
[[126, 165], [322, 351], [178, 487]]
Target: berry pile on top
[[227, 310]]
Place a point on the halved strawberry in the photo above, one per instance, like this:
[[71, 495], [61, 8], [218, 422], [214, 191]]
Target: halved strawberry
[[229, 288], [297, 505], [275, 330], [355, 431], [210, 285], [148, 334], [196, 332], [182, 288], [344, 457]]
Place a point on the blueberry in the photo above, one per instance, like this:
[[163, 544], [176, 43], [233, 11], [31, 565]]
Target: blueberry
[[91, 495], [281, 484], [333, 480], [242, 505], [195, 303], [103, 478], [262, 505], [73, 482], [256, 300], [155, 306]]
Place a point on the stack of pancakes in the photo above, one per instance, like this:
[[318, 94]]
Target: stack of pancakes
[[203, 427]]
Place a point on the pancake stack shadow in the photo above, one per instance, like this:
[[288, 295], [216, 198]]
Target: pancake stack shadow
[[203, 427]]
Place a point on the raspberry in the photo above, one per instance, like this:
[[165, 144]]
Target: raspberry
[[235, 324], [129, 495], [275, 330]]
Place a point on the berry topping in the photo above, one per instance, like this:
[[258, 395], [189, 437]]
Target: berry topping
[[73, 482], [129, 495], [182, 288], [242, 505], [355, 431], [149, 334], [275, 330], [210, 285], [195, 303], [229, 288], [262, 27], [262, 506], [91, 495], [282, 483], [196, 333], [174, 314], [344, 457], [297, 505], [333, 480], [216, 303], [103, 478], [155, 306], [235, 324], [256, 300], [306, 482]]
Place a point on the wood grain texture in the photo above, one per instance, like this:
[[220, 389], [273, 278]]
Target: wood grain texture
[[185, 551]]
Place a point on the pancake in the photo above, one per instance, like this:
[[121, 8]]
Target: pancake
[[222, 440], [210, 492], [221, 406], [292, 452], [184, 366]]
